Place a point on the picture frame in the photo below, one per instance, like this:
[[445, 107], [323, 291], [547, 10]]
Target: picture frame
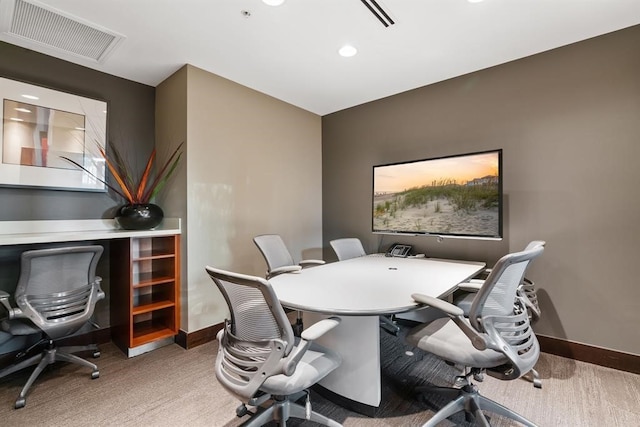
[[40, 128]]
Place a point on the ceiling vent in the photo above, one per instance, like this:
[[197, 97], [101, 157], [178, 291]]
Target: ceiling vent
[[39, 27], [378, 12]]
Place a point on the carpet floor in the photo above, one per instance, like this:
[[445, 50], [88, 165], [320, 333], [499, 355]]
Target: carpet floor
[[172, 386]]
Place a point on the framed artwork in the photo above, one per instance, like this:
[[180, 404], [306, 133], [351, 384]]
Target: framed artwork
[[43, 128]]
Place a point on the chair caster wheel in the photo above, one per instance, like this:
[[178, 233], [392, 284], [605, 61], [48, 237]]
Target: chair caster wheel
[[20, 403], [95, 374], [241, 411], [96, 354]]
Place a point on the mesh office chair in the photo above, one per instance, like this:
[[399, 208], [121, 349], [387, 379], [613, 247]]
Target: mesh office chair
[[279, 260], [347, 248], [351, 247], [55, 296], [496, 338], [527, 290], [259, 359]]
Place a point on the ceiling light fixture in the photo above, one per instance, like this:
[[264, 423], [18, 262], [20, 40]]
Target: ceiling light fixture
[[475, 1], [30, 97], [347, 51], [273, 2]]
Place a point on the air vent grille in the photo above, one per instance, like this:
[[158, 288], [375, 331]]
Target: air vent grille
[[59, 32]]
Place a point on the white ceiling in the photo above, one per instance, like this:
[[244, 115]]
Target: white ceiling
[[290, 51]]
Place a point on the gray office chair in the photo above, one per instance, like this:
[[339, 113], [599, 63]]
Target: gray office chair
[[279, 260], [259, 359], [496, 338], [351, 247], [527, 290], [347, 248], [56, 294]]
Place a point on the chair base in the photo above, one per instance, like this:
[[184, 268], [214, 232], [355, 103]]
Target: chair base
[[388, 325], [284, 408], [49, 356], [469, 400]]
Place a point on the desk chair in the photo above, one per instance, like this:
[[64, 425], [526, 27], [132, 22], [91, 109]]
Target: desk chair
[[495, 338], [347, 248], [351, 247], [259, 359], [526, 290], [279, 260], [56, 294]]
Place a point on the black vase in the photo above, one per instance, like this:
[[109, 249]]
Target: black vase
[[139, 216]]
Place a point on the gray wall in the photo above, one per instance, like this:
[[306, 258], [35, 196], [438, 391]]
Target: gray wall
[[130, 126], [568, 121]]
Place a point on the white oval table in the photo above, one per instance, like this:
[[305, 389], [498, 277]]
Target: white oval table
[[359, 290]]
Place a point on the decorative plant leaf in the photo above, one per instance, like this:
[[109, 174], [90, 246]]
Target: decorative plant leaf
[[94, 175], [135, 193]]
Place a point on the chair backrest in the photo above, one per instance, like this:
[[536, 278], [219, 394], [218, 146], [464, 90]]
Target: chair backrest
[[58, 288], [273, 250], [256, 338], [347, 248], [494, 312]]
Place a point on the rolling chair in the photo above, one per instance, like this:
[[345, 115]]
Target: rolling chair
[[351, 247], [260, 361], [495, 338], [527, 290], [56, 294], [279, 260]]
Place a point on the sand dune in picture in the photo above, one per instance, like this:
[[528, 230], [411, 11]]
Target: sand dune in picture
[[437, 216]]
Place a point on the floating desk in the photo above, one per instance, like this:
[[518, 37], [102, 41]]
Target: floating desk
[[144, 273], [359, 290]]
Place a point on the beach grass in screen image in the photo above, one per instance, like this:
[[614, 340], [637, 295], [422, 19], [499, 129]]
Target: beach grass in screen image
[[459, 195]]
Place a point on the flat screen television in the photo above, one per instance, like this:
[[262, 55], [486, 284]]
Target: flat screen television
[[453, 196]]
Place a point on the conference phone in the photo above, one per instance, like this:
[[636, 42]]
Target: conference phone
[[398, 250]]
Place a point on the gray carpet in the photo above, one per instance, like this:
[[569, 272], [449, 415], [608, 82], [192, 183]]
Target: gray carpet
[[176, 387]]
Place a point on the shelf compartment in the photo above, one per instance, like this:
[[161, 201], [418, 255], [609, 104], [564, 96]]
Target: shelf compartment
[[153, 248], [153, 297]]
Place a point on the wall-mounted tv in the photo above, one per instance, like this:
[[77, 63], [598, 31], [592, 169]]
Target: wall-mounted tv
[[453, 196]]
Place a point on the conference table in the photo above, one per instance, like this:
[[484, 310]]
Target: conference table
[[358, 291]]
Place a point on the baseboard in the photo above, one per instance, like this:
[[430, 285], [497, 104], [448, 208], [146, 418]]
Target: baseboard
[[585, 353], [202, 336]]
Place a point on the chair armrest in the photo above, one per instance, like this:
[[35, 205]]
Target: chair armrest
[[285, 269], [472, 285], [479, 340], [96, 283], [311, 262], [4, 300], [448, 308], [12, 312], [313, 332], [320, 328]]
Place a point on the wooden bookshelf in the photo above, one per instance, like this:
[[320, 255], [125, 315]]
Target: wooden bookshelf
[[145, 294]]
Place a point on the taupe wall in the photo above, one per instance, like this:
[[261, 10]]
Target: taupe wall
[[253, 166], [569, 123]]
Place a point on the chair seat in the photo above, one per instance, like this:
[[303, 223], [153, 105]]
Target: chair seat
[[444, 338], [315, 364], [19, 327]]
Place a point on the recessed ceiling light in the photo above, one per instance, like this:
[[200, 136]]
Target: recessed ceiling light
[[475, 1], [347, 51], [273, 2], [30, 97]]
